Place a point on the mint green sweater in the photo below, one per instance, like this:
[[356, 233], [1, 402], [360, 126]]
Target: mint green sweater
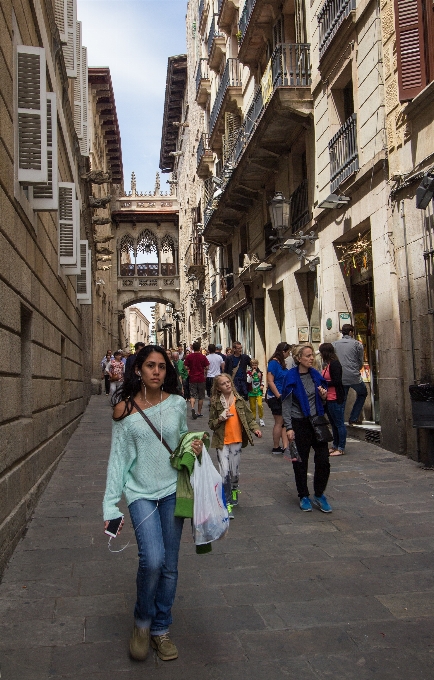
[[139, 464]]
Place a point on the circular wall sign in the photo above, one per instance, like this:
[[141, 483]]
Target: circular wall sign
[[329, 324]]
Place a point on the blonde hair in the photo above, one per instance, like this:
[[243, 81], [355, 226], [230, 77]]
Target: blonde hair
[[297, 352], [254, 361], [215, 391]]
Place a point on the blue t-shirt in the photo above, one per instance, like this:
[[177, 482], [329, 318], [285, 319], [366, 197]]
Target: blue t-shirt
[[278, 373]]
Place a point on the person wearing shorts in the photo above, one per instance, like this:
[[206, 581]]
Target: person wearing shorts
[[196, 364]]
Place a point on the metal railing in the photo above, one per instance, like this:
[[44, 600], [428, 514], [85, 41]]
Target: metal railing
[[214, 32], [202, 73], [330, 17], [231, 78], [202, 147], [289, 67], [194, 255], [344, 158], [300, 214], [168, 269], [147, 269], [245, 17]]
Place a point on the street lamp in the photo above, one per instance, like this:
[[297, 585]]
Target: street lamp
[[280, 212]]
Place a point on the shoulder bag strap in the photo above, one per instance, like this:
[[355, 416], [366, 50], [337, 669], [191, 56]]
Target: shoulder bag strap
[[152, 426]]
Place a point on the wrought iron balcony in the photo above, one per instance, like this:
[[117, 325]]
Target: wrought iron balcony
[[245, 17], [344, 157], [300, 213], [330, 17], [214, 33], [231, 78], [204, 155], [203, 85], [148, 269], [290, 65], [195, 258]]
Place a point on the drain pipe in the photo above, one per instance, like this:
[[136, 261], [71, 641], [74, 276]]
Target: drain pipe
[[410, 305]]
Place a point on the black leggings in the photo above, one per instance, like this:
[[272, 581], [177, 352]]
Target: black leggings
[[305, 440]]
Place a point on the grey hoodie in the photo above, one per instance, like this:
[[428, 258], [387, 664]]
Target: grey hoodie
[[350, 354]]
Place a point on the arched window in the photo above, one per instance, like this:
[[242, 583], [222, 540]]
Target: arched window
[[126, 250], [168, 266], [147, 254]]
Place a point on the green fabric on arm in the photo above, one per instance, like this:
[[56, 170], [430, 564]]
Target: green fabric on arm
[[183, 459]]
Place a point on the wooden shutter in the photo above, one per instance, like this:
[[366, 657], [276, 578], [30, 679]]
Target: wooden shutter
[[84, 293], [74, 269], [69, 49], [46, 195], [68, 224], [84, 141], [81, 94], [31, 115], [410, 48], [60, 15]]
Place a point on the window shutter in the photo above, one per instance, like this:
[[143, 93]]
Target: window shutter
[[31, 115], [46, 195], [84, 141], [69, 49], [410, 48], [74, 269], [84, 293], [78, 94], [68, 223], [60, 9]]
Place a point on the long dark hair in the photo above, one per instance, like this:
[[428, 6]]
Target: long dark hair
[[278, 353], [132, 385], [327, 352]]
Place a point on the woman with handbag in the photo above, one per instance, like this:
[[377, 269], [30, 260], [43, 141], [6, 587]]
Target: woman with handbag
[[149, 420], [335, 404], [303, 395], [276, 371]]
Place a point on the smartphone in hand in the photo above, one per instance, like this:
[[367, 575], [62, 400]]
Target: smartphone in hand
[[113, 527]]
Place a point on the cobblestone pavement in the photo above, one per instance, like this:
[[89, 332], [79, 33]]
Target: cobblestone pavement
[[287, 595]]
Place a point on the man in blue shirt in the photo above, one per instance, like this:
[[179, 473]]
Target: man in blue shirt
[[236, 366]]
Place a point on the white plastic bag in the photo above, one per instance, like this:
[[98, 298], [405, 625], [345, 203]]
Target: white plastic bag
[[210, 514]]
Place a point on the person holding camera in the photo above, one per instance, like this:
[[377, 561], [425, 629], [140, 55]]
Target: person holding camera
[[149, 419], [304, 392]]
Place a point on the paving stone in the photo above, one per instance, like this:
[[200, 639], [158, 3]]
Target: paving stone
[[405, 605], [58, 632], [31, 663], [336, 610], [382, 664], [285, 644]]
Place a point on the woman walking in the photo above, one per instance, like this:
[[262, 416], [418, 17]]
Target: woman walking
[[105, 368], [116, 372], [233, 423], [276, 371], [303, 395], [335, 404], [139, 467]]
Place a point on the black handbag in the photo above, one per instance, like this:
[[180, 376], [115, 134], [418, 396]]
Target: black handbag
[[320, 426]]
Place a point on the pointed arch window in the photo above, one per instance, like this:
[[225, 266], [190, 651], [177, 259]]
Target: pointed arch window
[[127, 255], [147, 254], [168, 256]]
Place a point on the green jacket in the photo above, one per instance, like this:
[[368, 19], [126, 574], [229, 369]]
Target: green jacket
[[248, 423], [181, 369], [182, 459]]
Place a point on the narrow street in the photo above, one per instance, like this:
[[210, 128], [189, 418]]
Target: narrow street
[[288, 594]]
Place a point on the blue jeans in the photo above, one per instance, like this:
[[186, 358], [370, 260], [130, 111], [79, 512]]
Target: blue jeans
[[335, 412], [362, 393], [158, 538]]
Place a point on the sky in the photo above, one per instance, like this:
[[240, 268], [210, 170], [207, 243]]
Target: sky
[[134, 38]]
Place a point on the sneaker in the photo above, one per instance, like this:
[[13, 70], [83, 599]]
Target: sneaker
[[305, 504], [230, 513], [261, 422], [139, 643], [277, 451], [321, 503], [166, 650], [199, 415], [193, 414], [234, 500]]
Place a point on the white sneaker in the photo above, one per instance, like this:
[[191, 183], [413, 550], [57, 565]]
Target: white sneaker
[[261, 422]]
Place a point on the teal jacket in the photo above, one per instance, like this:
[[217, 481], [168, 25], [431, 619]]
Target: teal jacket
[[182, 459]]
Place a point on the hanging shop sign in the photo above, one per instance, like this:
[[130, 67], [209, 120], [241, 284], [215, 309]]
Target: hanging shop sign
[[344, 317], [357, 255]]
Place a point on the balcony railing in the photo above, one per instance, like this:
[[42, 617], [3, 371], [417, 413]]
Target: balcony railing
[[330, 17], [148, 269], [300, 214], [344, 158], [202, 73], [245, 17], [289, 66], [202, 147], [231, 78], [214, 32], [194, 255]]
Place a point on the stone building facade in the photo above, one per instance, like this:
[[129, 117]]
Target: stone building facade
[[135, 327], [48, 275], [290, 104]]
